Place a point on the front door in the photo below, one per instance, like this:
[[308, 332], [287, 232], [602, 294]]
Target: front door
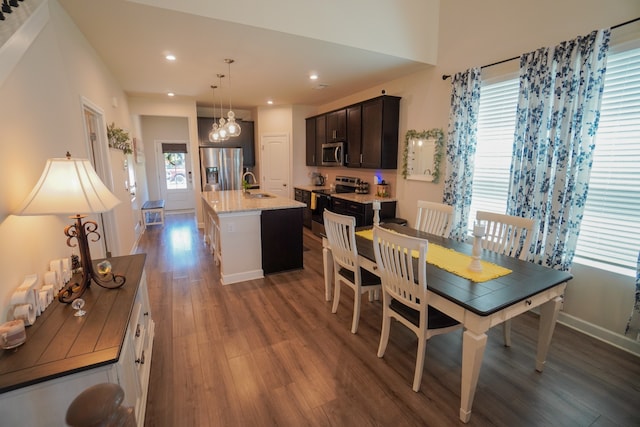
[[275, 165], [174, 175]]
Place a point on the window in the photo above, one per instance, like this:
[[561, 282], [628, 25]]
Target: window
[[174, 165], [496, 127], [610, 232]]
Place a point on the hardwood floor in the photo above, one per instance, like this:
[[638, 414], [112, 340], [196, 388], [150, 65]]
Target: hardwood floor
[[269, 352]]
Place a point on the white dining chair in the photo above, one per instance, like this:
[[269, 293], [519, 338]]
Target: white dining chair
[[434, 218], [404, 293], [340, 231], [507, 235]]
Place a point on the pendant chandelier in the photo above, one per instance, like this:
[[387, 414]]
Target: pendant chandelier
[[232, 127], [222, 128], [214, 134]]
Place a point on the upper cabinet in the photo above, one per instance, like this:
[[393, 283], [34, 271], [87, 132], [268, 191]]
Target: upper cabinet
[[337, 126], [316, 136], [354, 136], [380, 120], [310, 155], [369, 128], [245, 140]]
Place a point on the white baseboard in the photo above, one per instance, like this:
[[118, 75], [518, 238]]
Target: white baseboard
[[597, 332]]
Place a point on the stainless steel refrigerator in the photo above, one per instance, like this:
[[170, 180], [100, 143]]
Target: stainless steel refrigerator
[[221, 168]]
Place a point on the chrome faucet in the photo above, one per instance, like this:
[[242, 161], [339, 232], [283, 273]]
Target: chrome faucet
[[248, 173], [244, 175]]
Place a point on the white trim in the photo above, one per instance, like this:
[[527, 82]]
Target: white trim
[[103, 168], [12, 51], [599, 333]]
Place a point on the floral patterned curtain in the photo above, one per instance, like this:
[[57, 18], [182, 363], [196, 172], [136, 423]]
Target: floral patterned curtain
[[556, 121], [461, 147], [635, 312]]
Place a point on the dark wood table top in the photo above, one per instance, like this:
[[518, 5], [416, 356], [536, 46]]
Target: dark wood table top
[[525, 280], [59, 343]]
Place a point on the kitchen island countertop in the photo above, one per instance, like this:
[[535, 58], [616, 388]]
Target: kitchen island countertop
[[230, 201]]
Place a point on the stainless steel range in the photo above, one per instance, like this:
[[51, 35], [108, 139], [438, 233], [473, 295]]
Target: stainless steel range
[[342, 184]]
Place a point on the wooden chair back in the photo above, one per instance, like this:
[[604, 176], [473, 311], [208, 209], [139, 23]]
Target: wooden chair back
[[507, 234], [434, 218]]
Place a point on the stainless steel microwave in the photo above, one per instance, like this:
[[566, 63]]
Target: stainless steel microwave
[[333, 154]]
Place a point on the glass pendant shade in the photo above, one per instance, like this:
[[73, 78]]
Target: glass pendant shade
[[214, 133], [233, 128], [222, 129]]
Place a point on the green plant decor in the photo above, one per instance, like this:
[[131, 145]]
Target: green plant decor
[[433, 134], [119, 139]]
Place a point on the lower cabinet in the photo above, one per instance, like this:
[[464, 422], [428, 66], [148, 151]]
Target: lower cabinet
[[39, 390], [281, 237], [304, 196], [363, 212]]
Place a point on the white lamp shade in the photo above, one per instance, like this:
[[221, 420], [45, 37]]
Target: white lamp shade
[[68, 186]]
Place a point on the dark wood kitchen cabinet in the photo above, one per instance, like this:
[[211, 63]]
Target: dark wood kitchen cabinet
[[370, 129], [363, 212], [380, 121], [336, 126], [245, 140], [354, 136], [310, 153], [315, 137], [304, 196], [281, 239]]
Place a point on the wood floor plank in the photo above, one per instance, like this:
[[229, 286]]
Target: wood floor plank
[[269, 352]]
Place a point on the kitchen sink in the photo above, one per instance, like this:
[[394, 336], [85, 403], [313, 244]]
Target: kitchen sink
[[258, 195]]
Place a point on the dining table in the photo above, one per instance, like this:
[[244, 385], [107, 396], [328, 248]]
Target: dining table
[[477, 305]]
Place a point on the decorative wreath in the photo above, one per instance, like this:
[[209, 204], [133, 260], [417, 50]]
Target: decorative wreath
[[436, 134], [118, 139]]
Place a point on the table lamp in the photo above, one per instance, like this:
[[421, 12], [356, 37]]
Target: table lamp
[[71, 186]]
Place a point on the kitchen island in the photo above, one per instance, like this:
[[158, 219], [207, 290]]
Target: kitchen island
[[251, 234]]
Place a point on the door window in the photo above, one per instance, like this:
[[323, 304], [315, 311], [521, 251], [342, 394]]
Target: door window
[[175, 171]]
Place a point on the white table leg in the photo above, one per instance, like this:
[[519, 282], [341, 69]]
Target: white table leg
[[327, 260], [548, 316], [473, 346]]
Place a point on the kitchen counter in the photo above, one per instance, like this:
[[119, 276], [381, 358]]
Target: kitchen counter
[[252, 236], [362, 198], [351, 197], [237, 201]]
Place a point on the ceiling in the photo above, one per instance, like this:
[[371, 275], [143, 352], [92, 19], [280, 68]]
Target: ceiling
[[132, 39]]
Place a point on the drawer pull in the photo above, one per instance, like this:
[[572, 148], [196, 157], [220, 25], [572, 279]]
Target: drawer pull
[[146, 313], [141, 359], [138, 330], [528, 302]]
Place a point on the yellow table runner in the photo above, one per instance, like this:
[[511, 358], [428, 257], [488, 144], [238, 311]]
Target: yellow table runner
[[454, 262]]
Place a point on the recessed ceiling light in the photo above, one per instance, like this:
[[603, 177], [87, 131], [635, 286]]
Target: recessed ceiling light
[[171, 94], [270, 102], [313, 76], [170, 57]]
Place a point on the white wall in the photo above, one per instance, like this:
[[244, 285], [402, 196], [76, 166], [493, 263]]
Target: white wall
[[41, 117]]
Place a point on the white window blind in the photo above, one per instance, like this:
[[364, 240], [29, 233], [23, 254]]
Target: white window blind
[[496, 127], [610, 232]]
